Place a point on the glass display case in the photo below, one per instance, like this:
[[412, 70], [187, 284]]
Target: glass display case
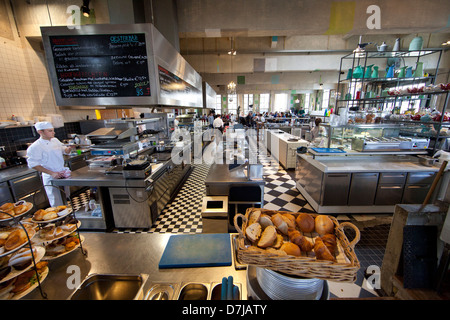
[[399, 137]]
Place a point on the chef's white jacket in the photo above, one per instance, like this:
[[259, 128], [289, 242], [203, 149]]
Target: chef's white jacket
[[49, 154]]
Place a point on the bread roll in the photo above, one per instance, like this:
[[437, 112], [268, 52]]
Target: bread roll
[[289, 219], [291, 249], [305, 222], [279, 222], [324, 225], [296, 237], [265, 221], [254, 217], [253, 232], [268, 237], [321, 251]]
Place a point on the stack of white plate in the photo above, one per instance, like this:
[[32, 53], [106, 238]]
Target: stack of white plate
[[280, 286]]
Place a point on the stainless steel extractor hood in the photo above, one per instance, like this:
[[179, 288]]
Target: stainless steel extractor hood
[[106, 66]]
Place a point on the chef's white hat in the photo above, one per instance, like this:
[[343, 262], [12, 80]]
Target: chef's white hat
[[43, 125]]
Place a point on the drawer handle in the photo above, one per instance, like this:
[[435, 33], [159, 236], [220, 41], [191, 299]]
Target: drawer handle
[[395, 187]]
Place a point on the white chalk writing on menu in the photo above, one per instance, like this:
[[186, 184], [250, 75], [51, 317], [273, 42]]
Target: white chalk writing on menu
[[89, 66]]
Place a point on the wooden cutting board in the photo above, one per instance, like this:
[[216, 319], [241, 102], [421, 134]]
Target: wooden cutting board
[[197, 250]]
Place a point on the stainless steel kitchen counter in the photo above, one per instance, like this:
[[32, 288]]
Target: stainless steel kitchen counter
[[114, 253], [97, 178], [15, 172], [220, 174], [362, 163]]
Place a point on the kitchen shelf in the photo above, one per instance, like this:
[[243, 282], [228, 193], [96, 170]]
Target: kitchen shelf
[[385, 104], [405, 80], [391, 54]]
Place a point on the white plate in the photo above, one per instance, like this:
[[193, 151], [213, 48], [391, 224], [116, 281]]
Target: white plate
[[61, 214], [33, 233], [14, 273], [39, 240], [42, 277], [19, 215], [48, 258]]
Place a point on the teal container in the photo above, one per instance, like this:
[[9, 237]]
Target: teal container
[[374, 72]]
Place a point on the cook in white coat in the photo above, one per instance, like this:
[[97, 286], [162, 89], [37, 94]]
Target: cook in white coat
[[46, 156]]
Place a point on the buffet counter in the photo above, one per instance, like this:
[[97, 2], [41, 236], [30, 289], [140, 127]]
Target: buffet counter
[[362, 184], [113, 253], [283, 146]]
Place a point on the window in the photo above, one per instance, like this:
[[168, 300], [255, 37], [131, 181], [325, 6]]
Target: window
[[325, 99], [264, 102], [218, 106], [281, 102], [232, 103], [248, 101], [307, 98]]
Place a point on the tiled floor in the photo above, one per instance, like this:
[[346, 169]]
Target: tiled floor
[[183, 215]]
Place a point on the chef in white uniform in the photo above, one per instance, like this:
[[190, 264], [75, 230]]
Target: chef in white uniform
[[46, 156]]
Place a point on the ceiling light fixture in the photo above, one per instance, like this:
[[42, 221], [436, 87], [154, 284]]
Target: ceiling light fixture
[[232, 51], [85, 8], [232, 85]]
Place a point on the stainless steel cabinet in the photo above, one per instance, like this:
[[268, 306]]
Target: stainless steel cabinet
[[335, 189], [25, 185], [417, 186], [390, 188], [5, 193], [309, 178], [363, 188], [389, 194]]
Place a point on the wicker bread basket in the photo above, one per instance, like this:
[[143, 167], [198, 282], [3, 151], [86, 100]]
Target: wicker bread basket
[[343, 270]]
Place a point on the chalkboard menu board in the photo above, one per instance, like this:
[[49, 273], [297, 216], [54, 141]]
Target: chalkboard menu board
[[173, 87], [101, 65]]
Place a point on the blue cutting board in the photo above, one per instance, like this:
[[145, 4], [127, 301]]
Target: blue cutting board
[[328, 150], [197, 250]]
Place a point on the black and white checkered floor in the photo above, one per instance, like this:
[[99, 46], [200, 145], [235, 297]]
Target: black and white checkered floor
[[183, 215]]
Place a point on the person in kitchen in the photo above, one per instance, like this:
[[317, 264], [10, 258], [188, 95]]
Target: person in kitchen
[[318, 131], [218, 123], [46, 156]]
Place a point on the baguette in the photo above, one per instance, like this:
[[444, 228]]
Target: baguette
[[265, 221], [289, 219], [253, 232], [254, 217], [279, 222], [268, 237]]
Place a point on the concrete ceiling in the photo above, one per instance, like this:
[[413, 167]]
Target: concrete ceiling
[[302, 38]]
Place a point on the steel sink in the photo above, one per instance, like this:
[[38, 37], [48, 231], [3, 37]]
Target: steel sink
[[111, 287]]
